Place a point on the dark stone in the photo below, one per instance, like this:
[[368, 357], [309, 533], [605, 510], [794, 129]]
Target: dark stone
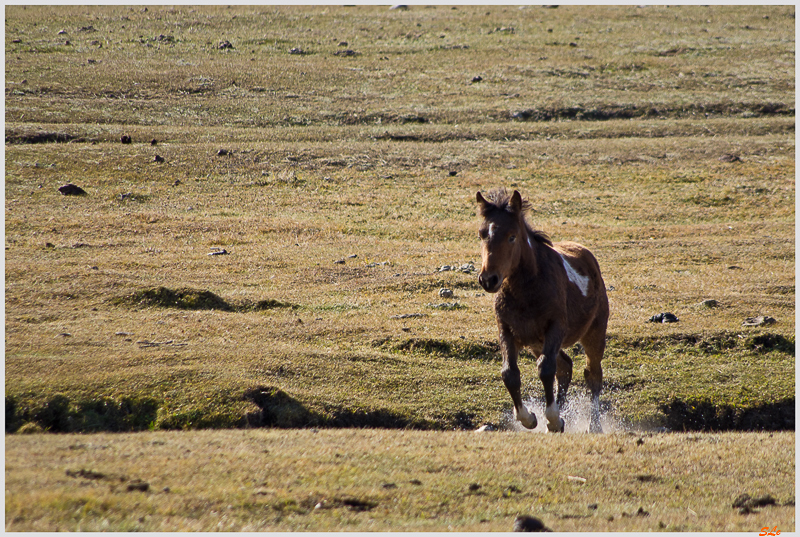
[[71, 190], [141, 486], [529, 523], [665, 317]]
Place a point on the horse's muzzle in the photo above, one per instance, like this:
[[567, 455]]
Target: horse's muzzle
[[490, 282]]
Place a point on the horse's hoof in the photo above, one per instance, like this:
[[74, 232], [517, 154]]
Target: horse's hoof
[[530, 422], [557, 429], [525, 417]]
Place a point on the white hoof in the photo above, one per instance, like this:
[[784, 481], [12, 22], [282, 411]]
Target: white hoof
[[558, 429], [527, 419], [555, 424]]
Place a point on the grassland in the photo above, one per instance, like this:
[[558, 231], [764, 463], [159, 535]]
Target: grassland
[[661, 138], [379, 480]]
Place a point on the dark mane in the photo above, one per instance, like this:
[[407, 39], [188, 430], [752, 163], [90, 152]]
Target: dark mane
[[499, 199]]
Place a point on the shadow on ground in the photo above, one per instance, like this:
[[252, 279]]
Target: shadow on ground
[[278, 409], [706, 416]]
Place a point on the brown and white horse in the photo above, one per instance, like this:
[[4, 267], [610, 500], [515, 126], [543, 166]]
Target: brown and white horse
[[549, 296]]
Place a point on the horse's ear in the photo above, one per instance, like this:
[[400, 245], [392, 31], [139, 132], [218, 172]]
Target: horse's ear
[[516, 202], [482, 204]]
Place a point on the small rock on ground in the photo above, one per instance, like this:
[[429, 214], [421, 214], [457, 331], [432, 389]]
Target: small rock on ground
[[487, 428], [408, 316], [141, 486], [744, 501], [445, 306], [71, 190], [665, 317], [466, 268], [529, 523], [761, 320]]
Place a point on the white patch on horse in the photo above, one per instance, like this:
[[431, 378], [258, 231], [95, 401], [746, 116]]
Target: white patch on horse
[[527, 419], [553, 418], [581, 281], [491, 230]]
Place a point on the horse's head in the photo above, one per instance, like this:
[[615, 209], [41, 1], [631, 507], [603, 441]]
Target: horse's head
[[503, 233]]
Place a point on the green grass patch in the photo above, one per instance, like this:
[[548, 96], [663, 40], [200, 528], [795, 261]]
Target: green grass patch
[[195, 299], [60, 414]]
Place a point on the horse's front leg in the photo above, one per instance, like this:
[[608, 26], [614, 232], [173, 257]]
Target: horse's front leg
[[510, 374], [548, 365]]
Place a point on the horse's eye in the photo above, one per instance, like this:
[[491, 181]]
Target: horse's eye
[[512, 238], [483, 233]]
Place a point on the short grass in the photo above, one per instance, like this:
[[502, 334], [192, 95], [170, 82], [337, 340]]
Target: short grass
[[660, 137], [69, 330], [372, 480], [390, 199]]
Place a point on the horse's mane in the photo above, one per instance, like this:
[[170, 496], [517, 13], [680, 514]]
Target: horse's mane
[[499, 199]]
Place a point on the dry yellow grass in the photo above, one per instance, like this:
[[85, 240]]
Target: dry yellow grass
[[663, 243], [367, 480], [613, 125]]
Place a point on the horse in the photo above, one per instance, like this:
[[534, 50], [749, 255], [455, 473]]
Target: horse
[[548, 297]]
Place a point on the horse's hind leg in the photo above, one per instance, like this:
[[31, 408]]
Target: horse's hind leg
[[563, 376]]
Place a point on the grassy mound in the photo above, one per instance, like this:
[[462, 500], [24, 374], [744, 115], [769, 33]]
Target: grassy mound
[[194, 299]]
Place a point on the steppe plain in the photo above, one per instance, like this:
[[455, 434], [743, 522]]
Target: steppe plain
[[334, 153]]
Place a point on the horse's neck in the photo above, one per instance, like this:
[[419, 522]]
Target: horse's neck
[[531, 258]]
